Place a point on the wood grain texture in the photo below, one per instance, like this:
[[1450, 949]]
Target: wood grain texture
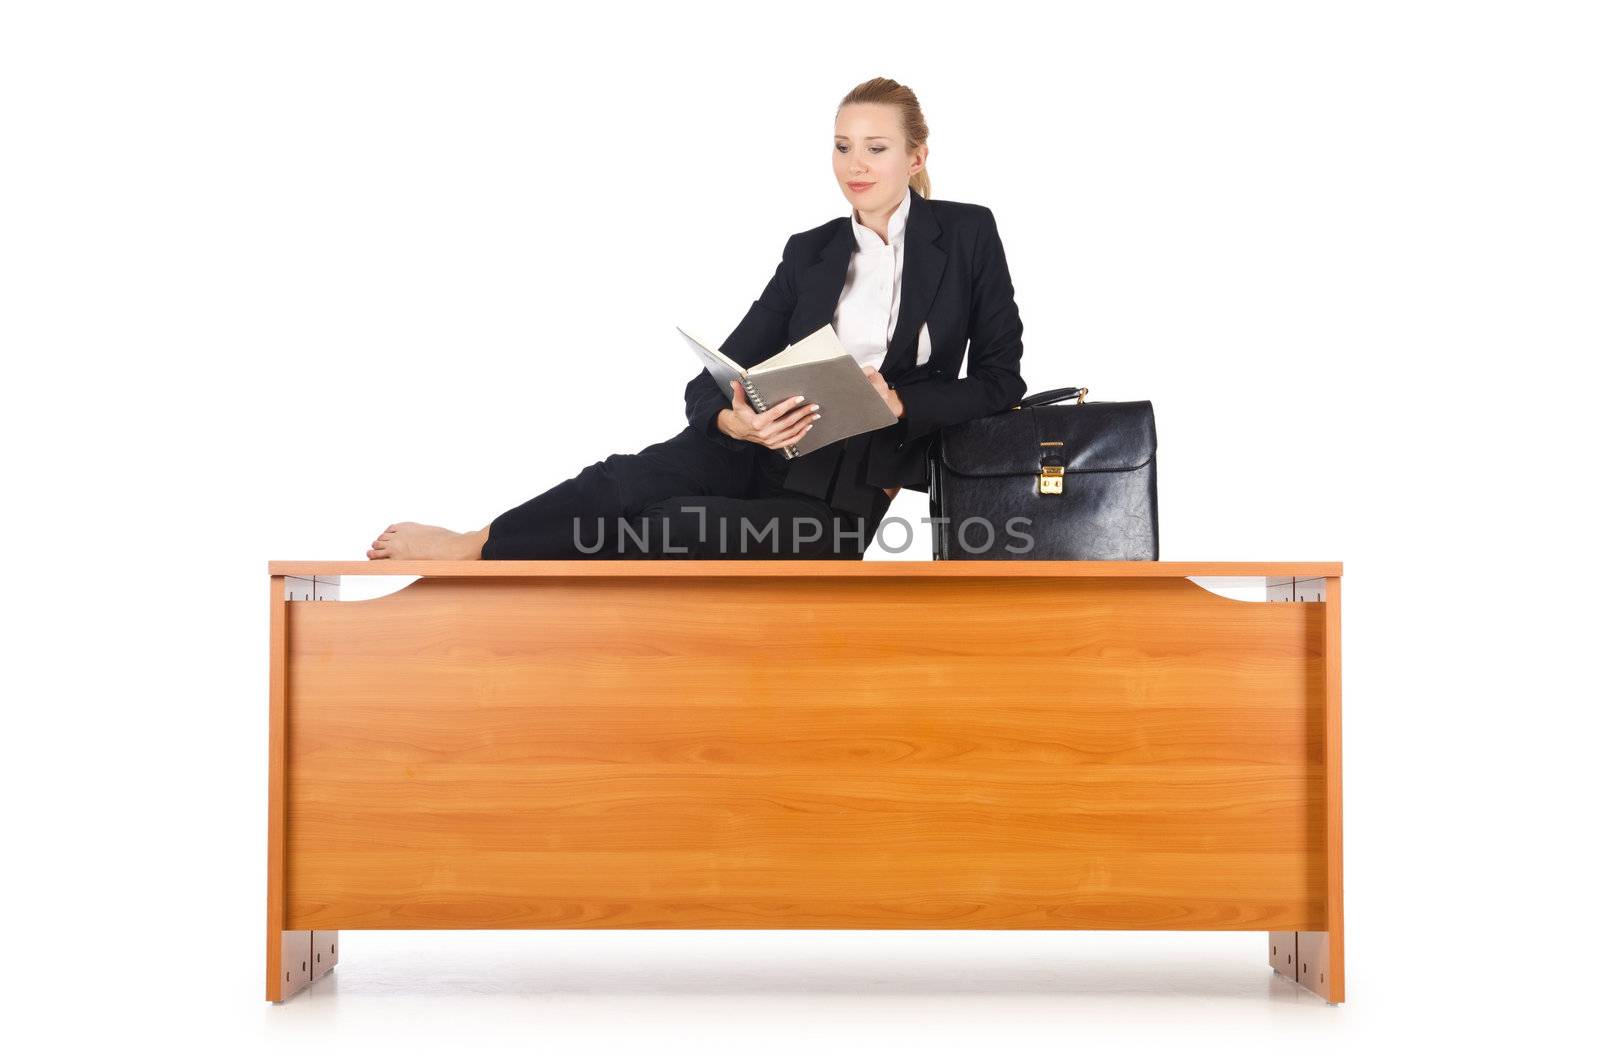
[[793, 752], [1332, 950], [288, 952]]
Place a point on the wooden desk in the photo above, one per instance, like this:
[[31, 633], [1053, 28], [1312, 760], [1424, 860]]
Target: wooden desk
[[805, 744]]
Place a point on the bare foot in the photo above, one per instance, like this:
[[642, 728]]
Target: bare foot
[[419, 541]]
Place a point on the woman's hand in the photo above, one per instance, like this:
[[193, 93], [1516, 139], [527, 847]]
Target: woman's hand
[[775, 428], [885, 391]]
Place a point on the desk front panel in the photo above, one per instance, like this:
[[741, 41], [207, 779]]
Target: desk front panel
[[805, 752]]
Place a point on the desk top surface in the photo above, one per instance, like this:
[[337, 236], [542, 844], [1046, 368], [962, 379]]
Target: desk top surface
[[778, 568]]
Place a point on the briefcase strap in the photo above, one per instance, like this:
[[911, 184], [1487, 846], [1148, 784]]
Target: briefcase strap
[[1050, 397]]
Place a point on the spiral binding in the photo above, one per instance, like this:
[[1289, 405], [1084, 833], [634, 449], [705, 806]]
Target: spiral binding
[[754, 395], [761, 406]]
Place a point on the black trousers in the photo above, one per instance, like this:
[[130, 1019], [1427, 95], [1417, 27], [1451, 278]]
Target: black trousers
[[684, 498]]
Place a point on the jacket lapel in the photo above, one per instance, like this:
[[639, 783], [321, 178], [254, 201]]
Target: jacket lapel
[[919, 280], [822, 282]]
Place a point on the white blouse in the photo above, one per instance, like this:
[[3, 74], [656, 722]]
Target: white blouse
[[870, 302]]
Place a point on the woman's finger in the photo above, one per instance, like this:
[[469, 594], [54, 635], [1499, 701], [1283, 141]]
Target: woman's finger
[[792, 424], [778, 411], [804, 414], [790, 438]]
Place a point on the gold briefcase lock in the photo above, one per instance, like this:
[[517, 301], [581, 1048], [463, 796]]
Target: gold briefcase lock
[[1050, 478]]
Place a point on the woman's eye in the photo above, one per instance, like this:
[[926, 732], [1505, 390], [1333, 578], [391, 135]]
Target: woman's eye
[[838, 147], [876, 150]]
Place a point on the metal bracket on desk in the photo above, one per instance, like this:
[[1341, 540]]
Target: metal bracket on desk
[[295, 962], [324, 953], [1301, 957], [1281, 954], [320, 587], [1297, 590], [306, 957]]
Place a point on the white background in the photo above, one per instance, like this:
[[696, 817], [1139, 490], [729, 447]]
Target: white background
[[273, 276]]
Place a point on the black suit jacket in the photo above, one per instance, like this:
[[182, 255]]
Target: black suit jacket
[[955, 279]]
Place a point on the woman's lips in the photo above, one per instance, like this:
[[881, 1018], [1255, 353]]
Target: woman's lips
[[862, 187]]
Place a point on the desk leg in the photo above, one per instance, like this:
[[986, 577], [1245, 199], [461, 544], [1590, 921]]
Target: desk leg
[[294, 958], [1315, 959]]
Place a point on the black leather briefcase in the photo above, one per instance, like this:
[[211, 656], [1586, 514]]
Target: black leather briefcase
[[1047, 481]]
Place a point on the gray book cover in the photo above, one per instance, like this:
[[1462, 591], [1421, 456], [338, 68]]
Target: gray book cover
[[818, 367]]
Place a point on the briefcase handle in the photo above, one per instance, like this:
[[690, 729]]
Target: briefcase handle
[[1050, 397]]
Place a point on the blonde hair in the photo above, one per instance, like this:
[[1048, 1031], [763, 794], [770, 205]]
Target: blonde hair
[[915, 127]]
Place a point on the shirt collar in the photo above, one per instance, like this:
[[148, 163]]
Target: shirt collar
[[867, 239]]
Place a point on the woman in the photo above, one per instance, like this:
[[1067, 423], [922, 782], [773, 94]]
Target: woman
[[909, 283]]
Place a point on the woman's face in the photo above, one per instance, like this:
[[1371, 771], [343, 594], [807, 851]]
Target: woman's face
[[869, 151]]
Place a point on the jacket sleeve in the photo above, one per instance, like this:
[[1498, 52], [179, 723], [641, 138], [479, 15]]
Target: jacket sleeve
[[992, 382], [763, 332]]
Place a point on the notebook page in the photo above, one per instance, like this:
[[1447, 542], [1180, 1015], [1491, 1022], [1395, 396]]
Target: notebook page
[[817, 346]]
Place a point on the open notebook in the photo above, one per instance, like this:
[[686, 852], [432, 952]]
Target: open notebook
[[819, 367]]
